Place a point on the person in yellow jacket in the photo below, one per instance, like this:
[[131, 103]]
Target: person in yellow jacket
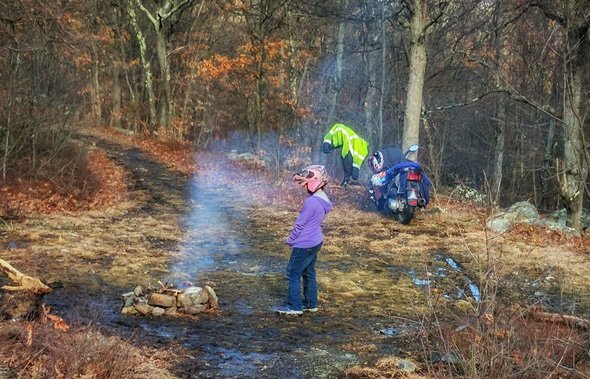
[[354, 149]]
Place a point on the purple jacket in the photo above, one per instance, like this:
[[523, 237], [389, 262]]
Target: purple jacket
[[307, 231]]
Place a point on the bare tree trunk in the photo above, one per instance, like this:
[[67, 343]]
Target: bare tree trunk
[[575, 170], [116, 97], [414, 95], [6, 150], [190, 108], [167, 13], [498, 163], [95, 87], [337, 74], [335, 86], [572, 175], [166, 104], [546, 174], [370, 102], [496, 182], [8, 110], [434, 155], [383, 81], [259, 86], [145, 64], [294, 78]]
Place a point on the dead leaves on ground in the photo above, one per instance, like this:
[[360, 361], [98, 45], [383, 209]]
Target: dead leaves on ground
[[56, 321], [540, 236], [22, 196]]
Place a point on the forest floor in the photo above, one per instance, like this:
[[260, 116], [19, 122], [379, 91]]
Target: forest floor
[[387, 291]]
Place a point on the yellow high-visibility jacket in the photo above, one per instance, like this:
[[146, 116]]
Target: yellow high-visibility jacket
[[342, 136]]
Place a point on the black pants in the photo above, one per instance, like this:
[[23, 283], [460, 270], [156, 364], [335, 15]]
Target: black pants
[[347, 166]]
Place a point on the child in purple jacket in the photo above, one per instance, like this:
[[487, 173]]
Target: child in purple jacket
[[306, 240]]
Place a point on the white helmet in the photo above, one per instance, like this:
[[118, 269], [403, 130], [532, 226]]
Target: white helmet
[[376, 162]]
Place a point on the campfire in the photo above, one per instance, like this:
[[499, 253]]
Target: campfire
[[166, 300]]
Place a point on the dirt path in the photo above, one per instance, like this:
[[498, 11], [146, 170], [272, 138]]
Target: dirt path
[[209, 229], [179, 228]]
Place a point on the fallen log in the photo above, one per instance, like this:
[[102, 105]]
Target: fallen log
[[571, 321], [22, 298], [24, 282]]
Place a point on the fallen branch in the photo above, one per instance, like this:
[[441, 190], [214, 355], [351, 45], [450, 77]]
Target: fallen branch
[[23, 282], [571, 321]]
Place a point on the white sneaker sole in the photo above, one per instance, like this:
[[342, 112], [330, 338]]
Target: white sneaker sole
[[290, 313]]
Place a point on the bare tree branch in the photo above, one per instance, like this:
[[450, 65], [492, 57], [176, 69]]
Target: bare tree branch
[[147, 13], [467, 103]]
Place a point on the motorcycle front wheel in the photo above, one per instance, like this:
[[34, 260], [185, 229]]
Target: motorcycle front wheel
[[405, 216]]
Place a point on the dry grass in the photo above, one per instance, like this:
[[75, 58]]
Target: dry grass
[[37, 350], [512, 345], [385, 368]]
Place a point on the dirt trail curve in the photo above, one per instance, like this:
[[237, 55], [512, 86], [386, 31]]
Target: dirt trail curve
[[178, 228]]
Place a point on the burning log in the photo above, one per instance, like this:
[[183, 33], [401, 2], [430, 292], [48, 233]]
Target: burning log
[[24, 298], [169, 301]]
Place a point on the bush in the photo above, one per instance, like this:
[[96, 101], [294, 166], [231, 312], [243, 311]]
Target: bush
[[44, 165]]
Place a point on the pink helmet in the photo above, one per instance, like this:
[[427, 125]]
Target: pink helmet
[[312, 177]]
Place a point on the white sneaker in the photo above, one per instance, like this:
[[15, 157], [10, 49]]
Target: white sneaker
[[288, 311]]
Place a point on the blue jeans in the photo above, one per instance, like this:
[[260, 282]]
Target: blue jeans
[[302, 265]]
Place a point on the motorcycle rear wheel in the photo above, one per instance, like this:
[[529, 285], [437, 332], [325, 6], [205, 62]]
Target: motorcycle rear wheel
[[405, 216]]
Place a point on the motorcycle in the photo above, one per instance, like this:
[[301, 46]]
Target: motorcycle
[[401, 189]]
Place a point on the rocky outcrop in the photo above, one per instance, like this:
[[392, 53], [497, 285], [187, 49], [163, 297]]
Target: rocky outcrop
[[526, 213]]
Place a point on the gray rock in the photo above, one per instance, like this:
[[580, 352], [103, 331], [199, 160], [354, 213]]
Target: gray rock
[[130, 310], [192, 296], [390, 331], [128, 299], [193, 310], [559, 217], [500, 224], [162, 300], [522, 211], [138, 291], [213, 301], [558, 226], [157, 311], [558, 220], [451, 358], [171, 311], [143, 308], [406, 365]]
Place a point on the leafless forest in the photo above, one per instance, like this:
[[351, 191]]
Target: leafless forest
[[495, 91]]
